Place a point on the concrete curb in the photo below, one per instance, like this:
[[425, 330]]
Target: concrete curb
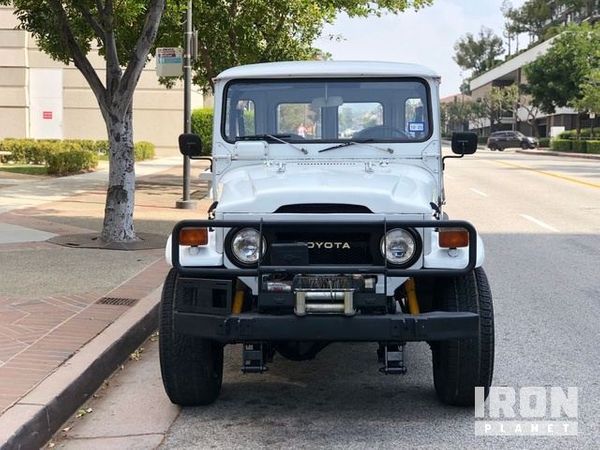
[[567, 154], [32, 421]]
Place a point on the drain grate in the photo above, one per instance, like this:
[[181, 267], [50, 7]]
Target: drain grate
[[117, 301]]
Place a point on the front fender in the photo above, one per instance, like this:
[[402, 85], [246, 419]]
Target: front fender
[[205, 256], [440, 257]]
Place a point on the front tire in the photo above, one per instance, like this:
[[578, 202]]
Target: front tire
[[460, 365], [191, 367]]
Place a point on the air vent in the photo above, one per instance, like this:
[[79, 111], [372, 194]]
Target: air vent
[[323, 208], [117, 301]]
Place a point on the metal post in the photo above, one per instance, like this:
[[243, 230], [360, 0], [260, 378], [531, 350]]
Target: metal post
[[186, 202]]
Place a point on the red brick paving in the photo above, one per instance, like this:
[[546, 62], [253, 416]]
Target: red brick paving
[[38, 335]]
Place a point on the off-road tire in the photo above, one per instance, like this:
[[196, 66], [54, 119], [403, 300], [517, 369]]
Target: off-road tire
[[191, 367], [460, 365]]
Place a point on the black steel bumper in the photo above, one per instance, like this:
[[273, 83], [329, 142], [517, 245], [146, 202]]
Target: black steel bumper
[[433, 326]]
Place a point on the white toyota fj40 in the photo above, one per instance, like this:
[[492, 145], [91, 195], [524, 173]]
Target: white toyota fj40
[[327, 226]]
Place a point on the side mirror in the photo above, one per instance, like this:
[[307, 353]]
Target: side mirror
[[464, 143], [190, 145]]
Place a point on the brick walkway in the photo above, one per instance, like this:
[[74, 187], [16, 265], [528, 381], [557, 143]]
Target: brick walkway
[[53, 300], [37, 336]]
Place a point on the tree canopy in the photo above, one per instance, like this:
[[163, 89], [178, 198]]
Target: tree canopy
[[478, 53], [555, 79], [124, 33], [234, 32]]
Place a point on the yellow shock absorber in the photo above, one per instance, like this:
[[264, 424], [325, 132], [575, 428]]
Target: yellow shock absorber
[[411, 296], [238, 300]]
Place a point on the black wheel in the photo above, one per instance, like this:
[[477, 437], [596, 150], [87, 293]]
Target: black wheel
[[191, 367], [492, 147], [525, 145], [460, 365]]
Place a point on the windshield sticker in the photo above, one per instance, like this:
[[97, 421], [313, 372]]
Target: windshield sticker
[[416, 126]]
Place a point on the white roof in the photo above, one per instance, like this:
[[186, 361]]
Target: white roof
[[316, 69]]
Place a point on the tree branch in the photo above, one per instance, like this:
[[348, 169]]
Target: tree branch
[[90, 19], [140, 54], [79, 58], [113, 64]]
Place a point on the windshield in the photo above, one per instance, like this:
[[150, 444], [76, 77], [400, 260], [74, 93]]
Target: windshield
[[394, 110]]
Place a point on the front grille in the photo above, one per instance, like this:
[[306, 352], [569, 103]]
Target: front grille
[[343, 247]]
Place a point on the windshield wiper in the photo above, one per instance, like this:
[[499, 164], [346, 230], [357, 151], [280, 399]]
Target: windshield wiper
[[363, 142], [272, 137]]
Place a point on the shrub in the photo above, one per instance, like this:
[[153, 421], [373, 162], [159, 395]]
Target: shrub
[[144, 150], [482, 140], [561, 145], [544, 142], [71, 161], [586, 133], [202, 125], [579, 146], [593, 147]]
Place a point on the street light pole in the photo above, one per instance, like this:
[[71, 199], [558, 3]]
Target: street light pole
[[186, 202]]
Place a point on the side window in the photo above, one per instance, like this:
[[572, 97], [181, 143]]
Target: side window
[[241, 120], [415, 120], [354, 117], [302, 119]]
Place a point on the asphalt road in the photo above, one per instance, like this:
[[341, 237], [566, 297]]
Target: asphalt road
[[540, 219]]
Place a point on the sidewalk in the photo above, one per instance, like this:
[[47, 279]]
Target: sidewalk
[[54, 299]]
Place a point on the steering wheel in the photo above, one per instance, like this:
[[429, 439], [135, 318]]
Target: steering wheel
[[380, 132]]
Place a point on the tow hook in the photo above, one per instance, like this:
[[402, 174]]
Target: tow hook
[[392, 357], [255, 356]]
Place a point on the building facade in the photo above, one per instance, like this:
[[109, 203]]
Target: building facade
[[41, 98], [526, 118]]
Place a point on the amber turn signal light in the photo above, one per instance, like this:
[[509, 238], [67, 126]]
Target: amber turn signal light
[[453, 237], [193, 236]]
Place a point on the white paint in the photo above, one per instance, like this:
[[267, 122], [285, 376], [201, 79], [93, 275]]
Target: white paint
[[46, 103], [539, 222], [478, 192]]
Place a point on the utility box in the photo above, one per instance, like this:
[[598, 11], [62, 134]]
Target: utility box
[[169, 62]]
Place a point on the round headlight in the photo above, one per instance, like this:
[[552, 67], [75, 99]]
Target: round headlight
[[245, 246], [398, 246]]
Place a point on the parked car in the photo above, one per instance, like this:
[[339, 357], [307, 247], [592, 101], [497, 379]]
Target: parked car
[[326, 237], [500, 140]]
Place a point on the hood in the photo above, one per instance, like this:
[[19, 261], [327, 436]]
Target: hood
[[395, 188]]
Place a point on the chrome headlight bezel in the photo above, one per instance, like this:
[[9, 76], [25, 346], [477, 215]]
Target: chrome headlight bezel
[[414, 246], [235, 256]]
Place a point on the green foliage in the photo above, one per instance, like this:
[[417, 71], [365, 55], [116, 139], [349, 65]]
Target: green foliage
[[202, 125], [585, 133], [144, 150], [235, 32], [562, 145], [593, 147], [43, 151], [71, 161], [544, 142], [555, 79], [579, 146], [478, 53], [590, 93]]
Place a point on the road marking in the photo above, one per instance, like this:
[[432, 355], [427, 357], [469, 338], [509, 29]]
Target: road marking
[[539, 222], [551, 174], [483, 194]]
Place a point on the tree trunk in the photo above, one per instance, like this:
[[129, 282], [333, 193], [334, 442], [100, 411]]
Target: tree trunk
[[120, 198]]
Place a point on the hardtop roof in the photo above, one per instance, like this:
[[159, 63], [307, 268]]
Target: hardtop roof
[[318, 69]]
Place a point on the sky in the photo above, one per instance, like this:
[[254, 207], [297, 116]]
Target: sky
[[424, 37]]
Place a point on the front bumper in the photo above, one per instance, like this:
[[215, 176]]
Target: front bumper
[[252, 327]]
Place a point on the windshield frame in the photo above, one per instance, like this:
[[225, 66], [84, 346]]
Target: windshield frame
[[423, 81]]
